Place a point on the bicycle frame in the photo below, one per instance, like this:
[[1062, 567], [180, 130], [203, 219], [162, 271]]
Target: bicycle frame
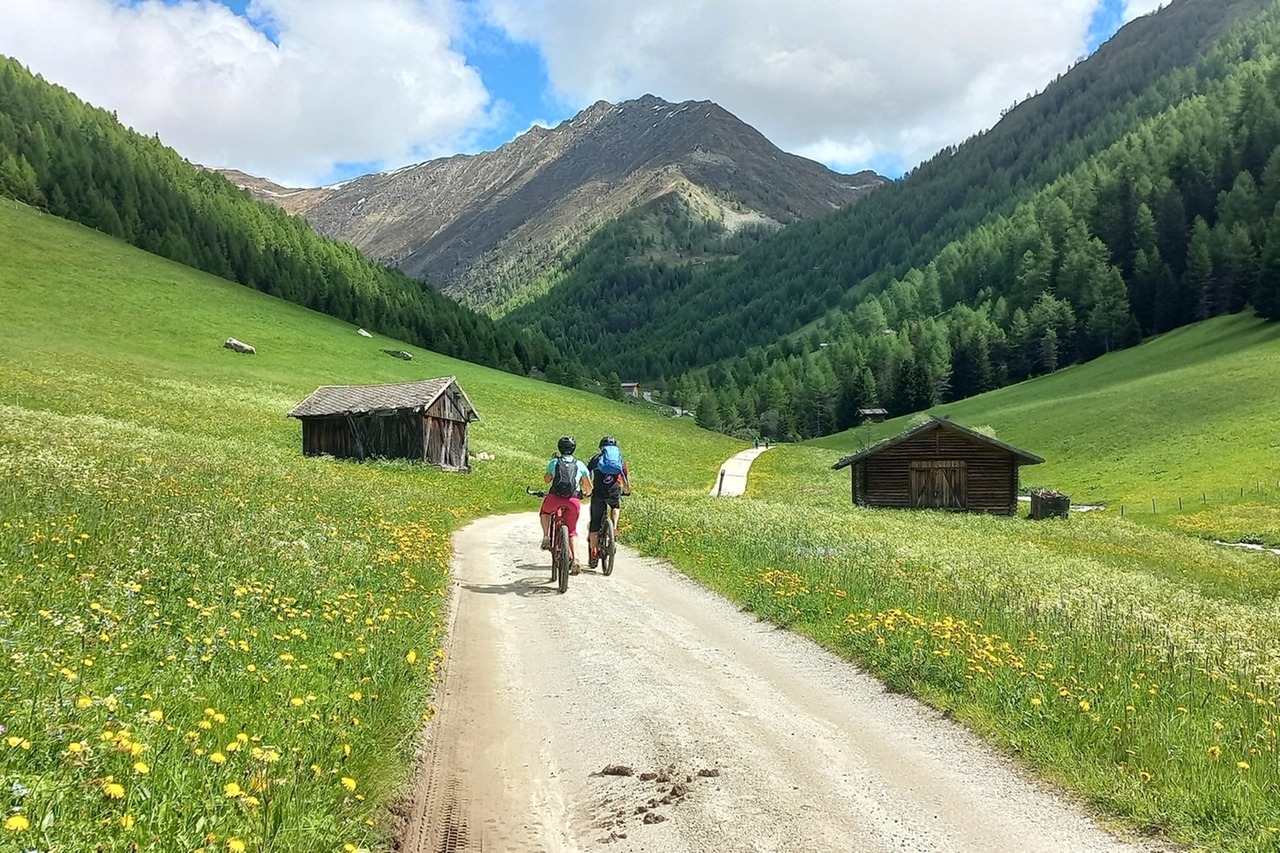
[[561, 561]]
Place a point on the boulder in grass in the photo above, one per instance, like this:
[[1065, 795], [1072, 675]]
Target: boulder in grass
[[399, 353], [239, 346], [362, 333]]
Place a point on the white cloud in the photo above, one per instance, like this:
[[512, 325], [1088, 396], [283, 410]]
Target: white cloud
[[901, 78], [1138, 8], [376, 80]]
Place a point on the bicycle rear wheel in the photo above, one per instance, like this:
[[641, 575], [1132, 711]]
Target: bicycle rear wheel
[[563, 559], [608, 547]]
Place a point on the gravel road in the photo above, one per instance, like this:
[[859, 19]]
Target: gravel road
[[737, 736]]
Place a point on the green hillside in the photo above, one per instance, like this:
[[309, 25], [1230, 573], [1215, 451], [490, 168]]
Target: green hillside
[[1185, 414], [662, 320], [215, 641], [176, 574]]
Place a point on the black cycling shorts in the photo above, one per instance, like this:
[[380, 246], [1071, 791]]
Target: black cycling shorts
[[598, 504]]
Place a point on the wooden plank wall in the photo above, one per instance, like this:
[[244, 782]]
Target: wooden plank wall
[[396, 436], [992, 474]]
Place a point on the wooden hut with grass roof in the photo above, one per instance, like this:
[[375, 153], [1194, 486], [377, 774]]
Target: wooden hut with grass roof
[[939, 465], [423, 421]]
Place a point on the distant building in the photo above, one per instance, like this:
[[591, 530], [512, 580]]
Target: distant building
[[939, 465], [631, 389], [874, 416], [423, 421]]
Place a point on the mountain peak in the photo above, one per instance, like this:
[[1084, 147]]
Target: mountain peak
[[535, 199]]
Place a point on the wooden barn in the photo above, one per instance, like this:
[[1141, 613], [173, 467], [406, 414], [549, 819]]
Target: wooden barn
[[939, 465], [424, 421]]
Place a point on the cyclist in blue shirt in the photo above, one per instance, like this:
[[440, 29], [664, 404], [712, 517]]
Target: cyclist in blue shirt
[[572, 502]]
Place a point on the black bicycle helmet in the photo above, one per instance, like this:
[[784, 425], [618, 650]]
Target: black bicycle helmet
[[608, 441], [567, 445]]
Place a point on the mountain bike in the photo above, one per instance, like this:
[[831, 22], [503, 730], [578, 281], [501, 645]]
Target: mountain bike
[[561, 562], [607, 543]]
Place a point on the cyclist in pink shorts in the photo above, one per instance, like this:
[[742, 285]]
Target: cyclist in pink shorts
[[568, 481]]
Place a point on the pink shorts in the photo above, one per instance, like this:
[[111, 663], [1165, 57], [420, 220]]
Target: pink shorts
[[573, 506]]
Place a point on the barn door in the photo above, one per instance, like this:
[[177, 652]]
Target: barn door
[[939, 484]]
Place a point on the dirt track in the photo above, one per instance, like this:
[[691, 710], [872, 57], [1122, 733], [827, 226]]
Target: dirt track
[[759, 740]]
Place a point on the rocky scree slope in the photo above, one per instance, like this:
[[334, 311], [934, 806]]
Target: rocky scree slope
[[462, 222]]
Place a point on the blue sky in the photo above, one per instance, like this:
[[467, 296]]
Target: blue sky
[[316, 91]]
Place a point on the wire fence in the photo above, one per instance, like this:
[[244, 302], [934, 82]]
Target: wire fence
[[1261, 491]]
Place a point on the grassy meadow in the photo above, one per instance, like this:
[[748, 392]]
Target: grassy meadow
[[211, 642], [1130, 659], [219, 645]]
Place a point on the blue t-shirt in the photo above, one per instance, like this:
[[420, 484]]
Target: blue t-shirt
[[582, 471]]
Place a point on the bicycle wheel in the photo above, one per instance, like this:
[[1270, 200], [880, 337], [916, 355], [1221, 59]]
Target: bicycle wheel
[[563, 559], [608, 547]]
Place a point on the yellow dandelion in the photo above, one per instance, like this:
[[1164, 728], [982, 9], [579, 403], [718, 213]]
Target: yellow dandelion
[[233, 790], [17, 823], [136, 749], [235, 845], [1035, 700], [1084, 705], [296, 701], [127, 821], [1242, 765], [205, 724], [141, 768], [219, 718], [348, 783], [18, 742], [412, 657], [355, 695], [1215, 751], [76, 746], [218, 758], [1144, 776], [270, 756], [156, 716], [234, 746], [84, 702], [338, 655], [113, 790], [250, 801]]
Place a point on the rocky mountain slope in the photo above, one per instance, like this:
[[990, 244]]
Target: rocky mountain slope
[[468, 221]]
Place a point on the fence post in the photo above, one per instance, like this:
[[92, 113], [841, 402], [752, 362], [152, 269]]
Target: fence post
[[1204, 499], [1153, 506], [1122, 510], [720, 488], [1179, 503], [1242, 491]]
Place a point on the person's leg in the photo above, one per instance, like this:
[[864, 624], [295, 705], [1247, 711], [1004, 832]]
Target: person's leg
[[571, 519], [598, 508], [544, 516]]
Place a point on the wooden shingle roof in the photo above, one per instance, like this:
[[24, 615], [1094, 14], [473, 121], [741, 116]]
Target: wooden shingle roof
[[1024, 457], [330, 400]]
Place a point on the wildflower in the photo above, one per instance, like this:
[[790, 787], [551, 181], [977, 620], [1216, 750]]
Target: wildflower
[[127, 821], [355, 695], [233, 790], [1035, 700], [218, 758], [141, 768], [412, 657], [1144, 776], [18, 742], [17, 823], [1084, 705], [84, 702], [1215, 751], [235, 845], [156, 716], [1242, 765], [76, 746], [113, 790], [296, 701], [348, 783]]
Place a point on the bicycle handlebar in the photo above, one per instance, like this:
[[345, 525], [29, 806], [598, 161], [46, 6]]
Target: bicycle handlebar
[[536, 493]]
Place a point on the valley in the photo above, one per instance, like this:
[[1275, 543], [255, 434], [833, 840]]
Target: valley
[[215, 643]]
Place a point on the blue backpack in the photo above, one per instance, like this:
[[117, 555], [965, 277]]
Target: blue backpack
[[610, 460]]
